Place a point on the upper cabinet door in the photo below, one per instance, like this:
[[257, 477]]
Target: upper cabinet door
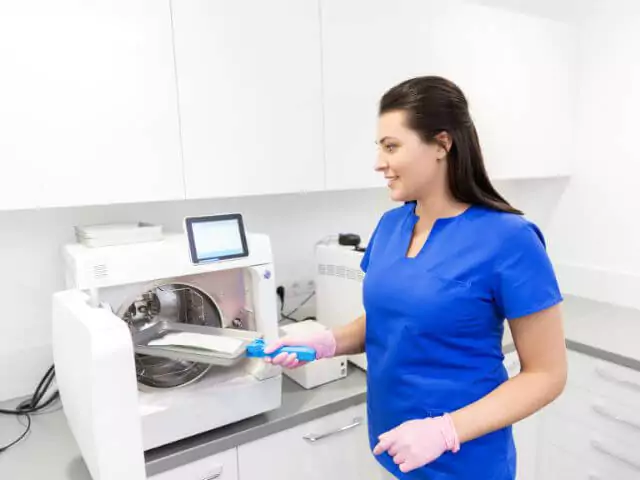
[[368, 46], [89, 108], [518, 73], [514, 69], [250, 93]]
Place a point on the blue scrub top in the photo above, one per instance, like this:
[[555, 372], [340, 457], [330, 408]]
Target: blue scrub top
[[435, 324]]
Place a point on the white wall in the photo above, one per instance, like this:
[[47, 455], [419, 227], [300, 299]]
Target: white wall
[[566, 10], [30, 244], [596, 230]]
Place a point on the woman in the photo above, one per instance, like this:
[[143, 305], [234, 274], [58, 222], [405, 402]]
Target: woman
[[443, 272]]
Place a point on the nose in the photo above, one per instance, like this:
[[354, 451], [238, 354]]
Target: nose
[[381, 163]]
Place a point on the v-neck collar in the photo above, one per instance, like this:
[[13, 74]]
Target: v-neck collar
[[412, 220]]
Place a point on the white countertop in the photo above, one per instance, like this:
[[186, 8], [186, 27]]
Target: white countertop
[[603, 326]]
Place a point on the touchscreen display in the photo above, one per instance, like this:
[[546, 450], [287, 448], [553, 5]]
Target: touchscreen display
[[216, 238]]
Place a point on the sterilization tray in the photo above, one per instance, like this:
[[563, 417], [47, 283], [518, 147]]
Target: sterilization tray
[[142, 338]]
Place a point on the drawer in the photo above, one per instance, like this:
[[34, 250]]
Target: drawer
[[604, 378], [222, 466], [602, 456], [601, 414], [558, 464], [334, 446]]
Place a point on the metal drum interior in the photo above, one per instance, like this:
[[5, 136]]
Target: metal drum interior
[[176, 303]]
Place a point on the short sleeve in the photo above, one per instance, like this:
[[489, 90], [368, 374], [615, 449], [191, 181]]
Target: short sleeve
[[366, 258], [525, 281]]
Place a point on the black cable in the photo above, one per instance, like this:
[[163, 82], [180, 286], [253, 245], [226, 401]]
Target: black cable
[[32, 405], [21, 437], [288, 316]]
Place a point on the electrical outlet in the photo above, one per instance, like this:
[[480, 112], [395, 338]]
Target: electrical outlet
[[297, 292], [300, 288], [311, 286]]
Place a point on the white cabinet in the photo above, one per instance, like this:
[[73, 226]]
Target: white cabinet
[[262, 98], [222, 466], [368, 46], [89, 109], [590, 432], [250, 94], [518, 73], [525, 432], [340, 451], [515, 69], [595, 424]]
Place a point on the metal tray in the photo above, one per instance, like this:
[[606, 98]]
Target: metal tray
[[142, 338]]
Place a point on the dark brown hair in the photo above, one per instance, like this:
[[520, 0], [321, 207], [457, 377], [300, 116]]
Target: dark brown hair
[[434, 105]]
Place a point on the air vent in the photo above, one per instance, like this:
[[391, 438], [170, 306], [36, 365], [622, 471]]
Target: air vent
[[100, 271], [340, 271]]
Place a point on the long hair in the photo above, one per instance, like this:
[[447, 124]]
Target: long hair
[[434, 105]]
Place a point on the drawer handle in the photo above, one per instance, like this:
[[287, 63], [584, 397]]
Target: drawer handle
[[621, 458], [214, 475], [602, 411], [313, 437], [611, 377]]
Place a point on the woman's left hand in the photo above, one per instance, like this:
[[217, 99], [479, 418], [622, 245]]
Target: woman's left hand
[[418, 442]]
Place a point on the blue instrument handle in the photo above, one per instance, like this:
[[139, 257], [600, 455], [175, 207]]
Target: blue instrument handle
[[256, 350]]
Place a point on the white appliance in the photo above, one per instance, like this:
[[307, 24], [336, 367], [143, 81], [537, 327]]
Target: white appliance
[[120, 402], [339, 288], [314, 374]]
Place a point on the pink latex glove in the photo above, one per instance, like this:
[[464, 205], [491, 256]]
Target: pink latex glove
[[324, 343], [418, 442]]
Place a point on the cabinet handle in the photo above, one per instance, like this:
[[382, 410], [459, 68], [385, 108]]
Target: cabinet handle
[[596, 445], [313, 437], [602, 411], [611, 377], [214, 475]]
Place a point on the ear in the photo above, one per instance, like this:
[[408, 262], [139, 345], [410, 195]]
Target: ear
[[444, 142]]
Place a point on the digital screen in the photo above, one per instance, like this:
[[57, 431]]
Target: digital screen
[[216, 238]]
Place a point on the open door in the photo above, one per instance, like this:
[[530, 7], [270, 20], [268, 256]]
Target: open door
[[95, 373]]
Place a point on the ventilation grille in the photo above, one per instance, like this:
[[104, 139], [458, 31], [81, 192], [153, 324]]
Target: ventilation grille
[[341, 271], [100, 271]]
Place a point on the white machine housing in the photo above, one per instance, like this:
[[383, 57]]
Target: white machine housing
[[114, 421], [314, 374], [339, 288]]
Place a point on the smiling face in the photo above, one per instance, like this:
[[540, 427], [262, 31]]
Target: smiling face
[[413, 169]]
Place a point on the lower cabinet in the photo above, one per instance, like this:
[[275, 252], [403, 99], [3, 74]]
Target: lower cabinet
[[525, 432], [335, 446], [590, 433], [222, 466], [525, 435]]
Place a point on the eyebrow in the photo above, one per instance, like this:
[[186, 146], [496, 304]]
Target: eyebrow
[[384, 139]]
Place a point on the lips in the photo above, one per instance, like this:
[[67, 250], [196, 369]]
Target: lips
[[390, 180]]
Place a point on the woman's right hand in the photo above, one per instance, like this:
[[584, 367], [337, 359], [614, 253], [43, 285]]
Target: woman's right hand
[[324, 344]]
